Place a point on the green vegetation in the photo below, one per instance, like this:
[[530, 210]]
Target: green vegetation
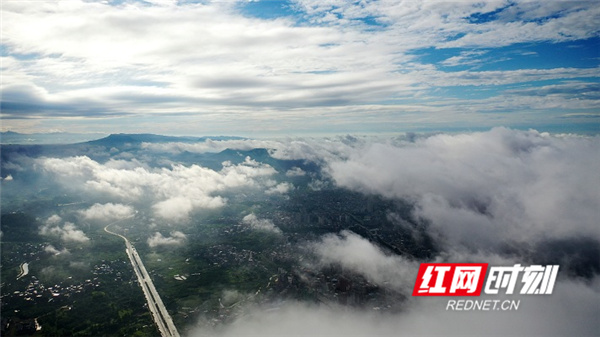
[[87, 290]]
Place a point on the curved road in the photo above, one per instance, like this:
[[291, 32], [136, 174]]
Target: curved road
[[155, 304]]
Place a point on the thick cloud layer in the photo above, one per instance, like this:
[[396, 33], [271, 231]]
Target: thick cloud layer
[[477, 194], [483, 189], [358, 255], [571, 311], [174, 192]]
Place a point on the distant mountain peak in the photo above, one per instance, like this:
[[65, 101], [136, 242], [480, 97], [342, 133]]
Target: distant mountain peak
[[10, 133], [138, 138]]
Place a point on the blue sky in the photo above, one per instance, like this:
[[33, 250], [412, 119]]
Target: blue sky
[[262, 68]]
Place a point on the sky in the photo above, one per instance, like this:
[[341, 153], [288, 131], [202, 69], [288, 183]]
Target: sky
[[301, 67]]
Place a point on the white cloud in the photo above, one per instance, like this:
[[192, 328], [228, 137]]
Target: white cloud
[[155, 45], [281, 188], [94, 59], [448, 24], [465, 58], [317, 185], [178, 208], [68, 232], [210, 146], [358, 255], [311, 149], [502, 77], [52, 250], [174, 192], [295, 172], [571, 310], [485, 188], [260, 224], [71, 233], [316, 150], [53, 219], [176, 238], [108, 212]]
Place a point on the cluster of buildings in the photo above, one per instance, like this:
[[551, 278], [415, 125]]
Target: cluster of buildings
[[19, 327], [37, 291], [22, 252], [227, 255]]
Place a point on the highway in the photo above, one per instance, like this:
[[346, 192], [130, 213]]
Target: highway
[[161, 317]]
